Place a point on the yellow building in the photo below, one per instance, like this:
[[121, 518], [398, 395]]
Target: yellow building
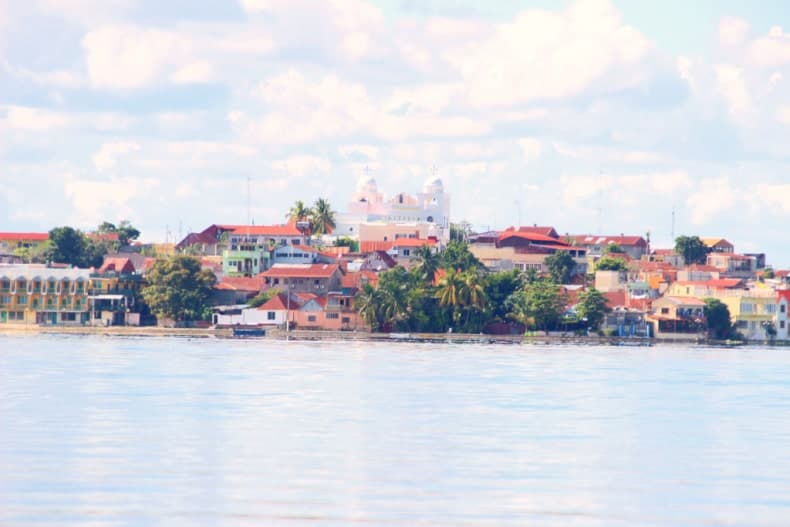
[[32, 294], [752, 313], [12, 241]]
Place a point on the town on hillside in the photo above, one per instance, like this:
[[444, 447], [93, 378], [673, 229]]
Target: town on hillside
[[393, 264]]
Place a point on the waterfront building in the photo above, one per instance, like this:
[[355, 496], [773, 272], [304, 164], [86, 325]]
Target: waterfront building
[[35, 294]]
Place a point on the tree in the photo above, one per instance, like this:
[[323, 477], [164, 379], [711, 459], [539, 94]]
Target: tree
[[457, 256], [36, 254], [67, 246], [692, 249], [538, 305], [592, 307], [610, 263], [717, 319], [323, 217], [262, 297], [126, 233], [498, 287], [613, 248], [769, 273], [561, 266], [353, 245], [298, 212], [427, 263], [178, 288]]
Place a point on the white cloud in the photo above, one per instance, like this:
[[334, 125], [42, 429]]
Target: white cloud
[[551, 55], [732, 86], [193, 72], [532, 148], [106, 157], [35, 119], [712, 197], [776, 197], [94, 201], [733, 30], [304, 165], [368, 151], [128, 57], [784, 114], [772, 50]]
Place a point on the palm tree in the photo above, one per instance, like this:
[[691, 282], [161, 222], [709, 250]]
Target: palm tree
[[298, 212], [323, 217], [450, 292], [427, 263], [367, 304]]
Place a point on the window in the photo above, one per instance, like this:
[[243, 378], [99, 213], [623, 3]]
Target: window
[[742, 324], [770, 308], [270, 315], [16, 315], [332, 316], [664, 310], [317, 282], [21, 300], [276, 281], [406, 252], [295, 242], [782, 308], [346, 320], [747, 308], [781, 324], [311, 318]]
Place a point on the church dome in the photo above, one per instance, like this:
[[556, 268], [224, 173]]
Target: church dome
[[433, 185], [367, 184]]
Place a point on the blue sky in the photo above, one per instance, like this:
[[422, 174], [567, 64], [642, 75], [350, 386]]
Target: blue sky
[[595, 116]]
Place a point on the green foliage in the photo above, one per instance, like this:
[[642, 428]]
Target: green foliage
[[717, 319], [692, 249], [353, 245], [498, 287], [323, 217], [67, 246], [262, 297], [561, 266], [457, 256], [463, 293], [613, 248], [610, 263], [126, 232], [36, 254], [592, 306], [538, 305], [178, 288], [427, 263], [769, 273], [298, 212]]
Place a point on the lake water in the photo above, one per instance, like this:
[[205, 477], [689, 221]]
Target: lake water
[[99, 431]]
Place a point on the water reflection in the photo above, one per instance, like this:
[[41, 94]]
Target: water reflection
[[106, 431]]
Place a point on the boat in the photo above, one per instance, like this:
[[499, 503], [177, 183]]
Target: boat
[[249, 332]]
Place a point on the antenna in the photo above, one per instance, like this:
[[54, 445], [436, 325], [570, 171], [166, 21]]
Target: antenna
[[600, 200], [249, 214]]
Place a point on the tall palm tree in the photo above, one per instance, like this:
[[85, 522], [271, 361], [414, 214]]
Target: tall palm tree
[[299, 212], [427, 263], [450, 292], [323, 217]]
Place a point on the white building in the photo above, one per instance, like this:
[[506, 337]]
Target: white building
[[429, 209]]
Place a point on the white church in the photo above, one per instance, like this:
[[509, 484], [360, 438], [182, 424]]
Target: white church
[[427, 211]]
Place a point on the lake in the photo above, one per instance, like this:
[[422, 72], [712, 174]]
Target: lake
[[113, 431]]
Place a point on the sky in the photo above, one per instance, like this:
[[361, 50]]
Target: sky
[[593, 116]]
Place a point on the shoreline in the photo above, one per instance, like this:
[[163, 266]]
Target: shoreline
[[316, 335]]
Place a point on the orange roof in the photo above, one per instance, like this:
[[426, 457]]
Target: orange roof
[[718, 283], [119, 265], [413, 242], [531, 236], [241, 283], [34, 236], [267, 230], [357, 279], [374, 245], [300, 271], [615, 298], [278, 302]]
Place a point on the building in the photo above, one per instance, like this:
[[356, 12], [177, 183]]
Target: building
[[674, 317], [427, 212], [211, 241], [249, 248], [35, 294], [753, 313], [634, 246], [733, 265], [318, 279], [522, 249], [782, 320], [12, 241], [718, 245]]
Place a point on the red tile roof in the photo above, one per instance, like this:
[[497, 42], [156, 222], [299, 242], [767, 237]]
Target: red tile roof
[[32, 236], [531, 236], [374, 245], [718, 283], [615, 298], [623, 241], [413, 242], [358, 279], [301, 271], [118, 265], [278, 302], [242, 283], [267, 230]]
